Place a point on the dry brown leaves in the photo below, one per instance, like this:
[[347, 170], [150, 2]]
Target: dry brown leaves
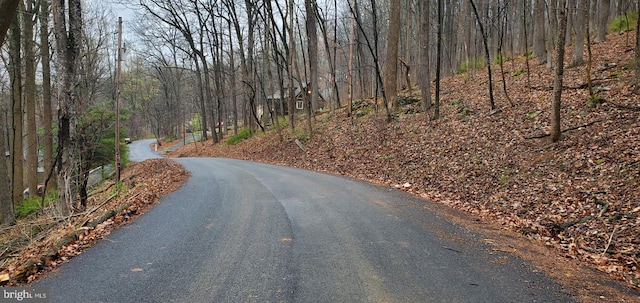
[[42, 242], [579, 196]]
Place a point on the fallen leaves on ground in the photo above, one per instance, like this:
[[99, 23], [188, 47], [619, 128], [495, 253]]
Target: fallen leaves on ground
[[579, 196], [41, 242]]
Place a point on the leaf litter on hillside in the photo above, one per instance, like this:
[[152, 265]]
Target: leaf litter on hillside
[[580, 196], [50, 241]]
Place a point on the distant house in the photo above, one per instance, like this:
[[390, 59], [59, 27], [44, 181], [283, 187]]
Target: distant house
[[300, 106]]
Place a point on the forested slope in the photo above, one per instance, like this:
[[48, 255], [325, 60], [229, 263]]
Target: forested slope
[[579, 196]]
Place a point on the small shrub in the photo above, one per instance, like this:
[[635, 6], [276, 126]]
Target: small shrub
[[242, 135], [465, 66], [301, 135], [594, 100], [520, 72], [28, 206], [455, 101], [623, 23], [500, 59], [407, 100], [533, 114]]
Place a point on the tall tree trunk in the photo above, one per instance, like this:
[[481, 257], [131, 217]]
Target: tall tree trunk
[[637, 52], [559, 70], [292, 54], [7, 14], [486, 54], [582, 8], [551, 29], [30, 98], [47, 114], [15, 135], [352, 42], [312, 40], [391, 63], [436, 110], [538, 32], [603, 18], [68, 164], [6, 200], [423, 65]]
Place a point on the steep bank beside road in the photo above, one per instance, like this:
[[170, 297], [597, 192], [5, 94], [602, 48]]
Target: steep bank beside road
[[579, 196]]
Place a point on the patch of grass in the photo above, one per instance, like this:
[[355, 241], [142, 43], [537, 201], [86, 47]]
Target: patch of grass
[[242, 135], [475, 64], [464, 111], [455, 101], [533, 114], [28, 206], [520, 72], [402, 101], [500, 59], [623, 23], [301, 134], [594, 100]]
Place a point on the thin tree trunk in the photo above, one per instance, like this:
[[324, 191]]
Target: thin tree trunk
[[6, 200], [559, 70], [637, 52], [47, 114], [232, 80], [581, 13], [486, 54], [15, 135], [312, 40], [350, 64], [30, 99], [436, 111], [423, 65]]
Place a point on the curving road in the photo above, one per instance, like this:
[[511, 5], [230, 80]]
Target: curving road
[[248, 232]]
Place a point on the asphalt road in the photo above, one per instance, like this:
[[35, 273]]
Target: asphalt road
[[247, 232]]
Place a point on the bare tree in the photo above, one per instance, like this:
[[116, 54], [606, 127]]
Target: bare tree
[[30, 97], [485, 42], [15, 134], [6, 204], [581, 11], [391, 63], [559, 70], [423, 65], [603, 18], [47, 113], [539, 32], [68, 42], [436, 110]]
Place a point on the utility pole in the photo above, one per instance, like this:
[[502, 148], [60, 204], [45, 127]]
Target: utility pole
[[118, 88]]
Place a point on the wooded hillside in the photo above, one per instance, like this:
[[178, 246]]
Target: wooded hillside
[[579, 195]]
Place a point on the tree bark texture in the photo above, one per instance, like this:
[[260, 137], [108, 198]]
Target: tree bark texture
[[30, 98], [47, 112], [7, 14], [312, 44], [68, 46], [391, 63], [559, 71], [539, 32], [15, 135], [423, 65]]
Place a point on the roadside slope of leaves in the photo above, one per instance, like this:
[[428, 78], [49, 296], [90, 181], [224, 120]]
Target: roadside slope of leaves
[[580, 196], [40, 243]]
